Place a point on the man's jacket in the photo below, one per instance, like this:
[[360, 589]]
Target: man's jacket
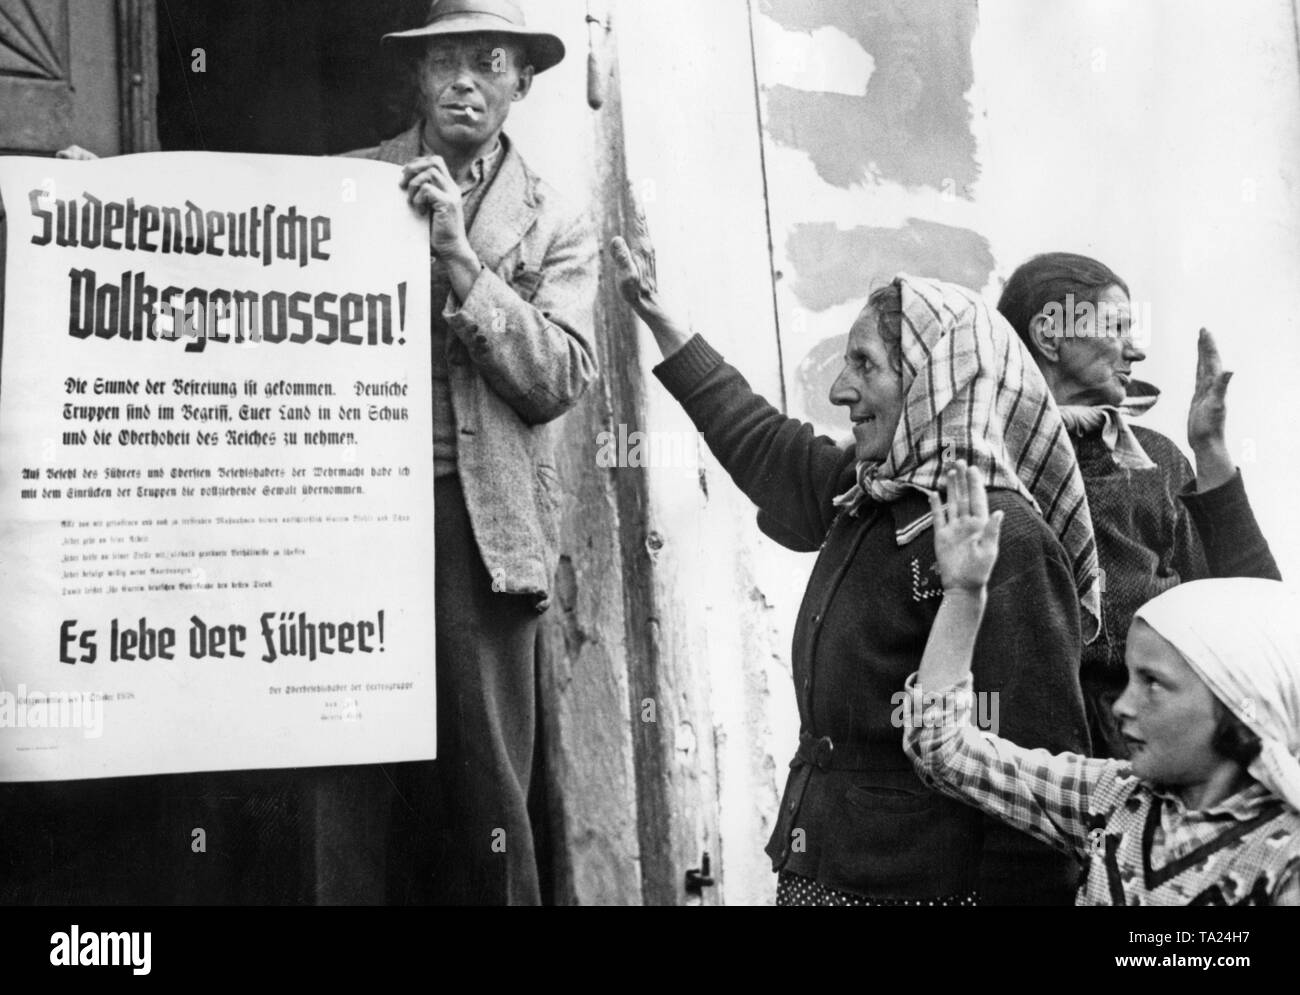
[[521, 353]]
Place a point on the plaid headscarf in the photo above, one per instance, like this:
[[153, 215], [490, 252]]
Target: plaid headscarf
[[972, 392]]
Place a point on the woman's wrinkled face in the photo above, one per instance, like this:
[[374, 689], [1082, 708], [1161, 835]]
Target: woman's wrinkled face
[[870, 388], [1166, 714], [1097, 358]]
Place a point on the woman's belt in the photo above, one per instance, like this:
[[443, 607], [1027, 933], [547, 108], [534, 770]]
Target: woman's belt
[[823, 753]]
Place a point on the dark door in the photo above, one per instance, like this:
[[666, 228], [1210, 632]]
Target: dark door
[[75, 72]]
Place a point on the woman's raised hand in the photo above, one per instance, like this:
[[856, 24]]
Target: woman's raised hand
[[1207, 417], [1209, 410], [965, 535], [638, 282]]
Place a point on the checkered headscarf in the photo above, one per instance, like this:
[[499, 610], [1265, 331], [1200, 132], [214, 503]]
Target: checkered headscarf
[[972, 392]]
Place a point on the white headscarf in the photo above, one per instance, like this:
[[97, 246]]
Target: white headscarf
[[1242, 637]]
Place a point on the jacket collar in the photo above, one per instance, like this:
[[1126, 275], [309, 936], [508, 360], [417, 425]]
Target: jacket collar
[[911, 516], [510, 206], [508, 211], [401, 149], [1245, 804]]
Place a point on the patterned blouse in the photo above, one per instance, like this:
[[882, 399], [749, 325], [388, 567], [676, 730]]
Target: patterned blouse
[[1139, 845]]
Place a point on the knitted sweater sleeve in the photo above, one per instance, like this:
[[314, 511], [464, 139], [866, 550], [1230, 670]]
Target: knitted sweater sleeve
[[1225, 522], [791, 473]]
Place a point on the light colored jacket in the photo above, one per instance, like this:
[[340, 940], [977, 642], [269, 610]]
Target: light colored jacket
[[521, 353]]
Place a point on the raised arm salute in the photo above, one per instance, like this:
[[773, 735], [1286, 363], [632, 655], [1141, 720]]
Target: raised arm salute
[[1207, 812]]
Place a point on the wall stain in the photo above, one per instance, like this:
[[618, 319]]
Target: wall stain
[[836, 266], [913, 124]]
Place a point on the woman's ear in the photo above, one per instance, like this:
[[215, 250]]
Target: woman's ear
[[1045, 336]]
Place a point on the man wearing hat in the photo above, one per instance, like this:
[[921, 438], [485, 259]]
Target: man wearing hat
[[514, 287]]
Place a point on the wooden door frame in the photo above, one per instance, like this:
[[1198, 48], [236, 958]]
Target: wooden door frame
[[137, 74]]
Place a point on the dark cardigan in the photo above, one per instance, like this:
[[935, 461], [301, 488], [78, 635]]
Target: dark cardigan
[[1154, 531], [854, 815]]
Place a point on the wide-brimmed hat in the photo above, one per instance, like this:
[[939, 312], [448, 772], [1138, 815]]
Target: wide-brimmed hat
[[463, 17]]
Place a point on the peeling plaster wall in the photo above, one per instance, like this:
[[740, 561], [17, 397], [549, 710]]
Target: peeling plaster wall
[[873, 178], [906, 121]]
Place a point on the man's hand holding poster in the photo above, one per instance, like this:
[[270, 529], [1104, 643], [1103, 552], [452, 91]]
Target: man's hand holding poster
[[216, 493]]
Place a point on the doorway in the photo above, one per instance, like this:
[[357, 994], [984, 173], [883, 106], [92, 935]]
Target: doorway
[[296, 77]]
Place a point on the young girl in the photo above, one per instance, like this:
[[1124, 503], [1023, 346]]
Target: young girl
[[1207, 809]]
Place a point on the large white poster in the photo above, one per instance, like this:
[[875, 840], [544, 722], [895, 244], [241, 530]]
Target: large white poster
[[216, 491]]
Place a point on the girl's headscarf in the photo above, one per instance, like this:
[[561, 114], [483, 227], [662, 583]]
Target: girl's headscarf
[[972, 392], [1242, 637]]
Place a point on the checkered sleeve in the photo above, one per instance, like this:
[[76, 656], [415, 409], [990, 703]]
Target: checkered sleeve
[[1046, 795]]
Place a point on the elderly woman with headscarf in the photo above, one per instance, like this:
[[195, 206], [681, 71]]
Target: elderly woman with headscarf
[[931, 374], [1157, 522], [1206, 811]]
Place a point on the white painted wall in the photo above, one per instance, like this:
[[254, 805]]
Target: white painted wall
[[553, 127], [693, 155], [1163, 137], [693, 158]]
